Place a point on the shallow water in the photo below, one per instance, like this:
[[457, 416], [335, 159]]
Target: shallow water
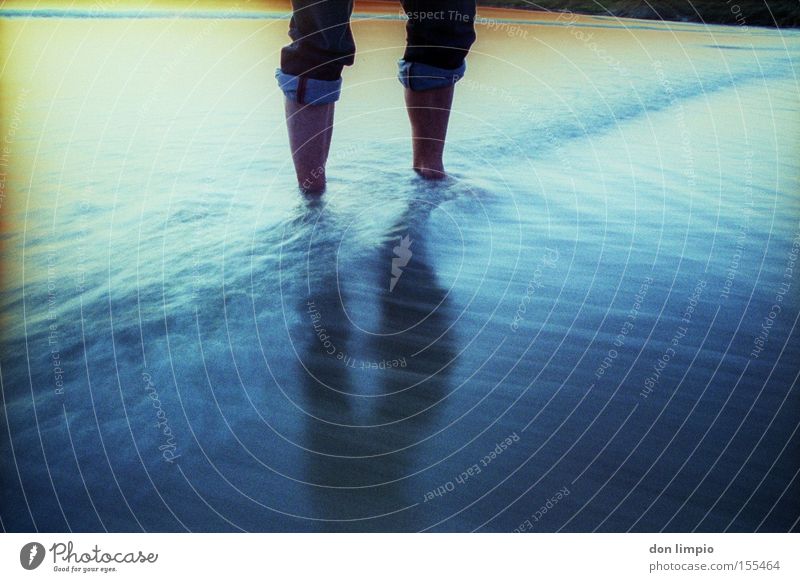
[[190, 344]]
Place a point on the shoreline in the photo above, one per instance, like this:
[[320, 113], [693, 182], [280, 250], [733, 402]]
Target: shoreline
[[493, 14], [782, 17]]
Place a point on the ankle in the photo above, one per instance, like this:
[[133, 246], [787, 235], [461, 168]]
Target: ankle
[[428, 166], [313, 182]]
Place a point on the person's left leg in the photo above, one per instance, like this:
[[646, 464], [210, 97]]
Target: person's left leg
[[439, 35]]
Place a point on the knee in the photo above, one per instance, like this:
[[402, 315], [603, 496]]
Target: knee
[[437, 45], [423, 77], [322, 42], [443, 41]]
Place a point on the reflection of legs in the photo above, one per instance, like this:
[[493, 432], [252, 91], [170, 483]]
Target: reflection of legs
[[433, 62], [310, 77]]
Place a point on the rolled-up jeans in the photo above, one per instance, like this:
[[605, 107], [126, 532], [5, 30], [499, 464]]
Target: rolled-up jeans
[[439, 34]]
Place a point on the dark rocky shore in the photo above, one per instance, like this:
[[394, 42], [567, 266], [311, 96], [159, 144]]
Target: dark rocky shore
[[777, 13]]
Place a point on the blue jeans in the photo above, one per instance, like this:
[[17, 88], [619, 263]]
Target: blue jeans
[[439, 34]]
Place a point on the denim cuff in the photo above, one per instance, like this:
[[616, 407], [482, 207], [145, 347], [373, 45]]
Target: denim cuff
[[308, 91], [421, 77]]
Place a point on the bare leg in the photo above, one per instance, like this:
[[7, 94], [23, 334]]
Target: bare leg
[[310, 131], [429, 112]]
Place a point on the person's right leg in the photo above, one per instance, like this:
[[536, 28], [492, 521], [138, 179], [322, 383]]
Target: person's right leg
[[310, 77]]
